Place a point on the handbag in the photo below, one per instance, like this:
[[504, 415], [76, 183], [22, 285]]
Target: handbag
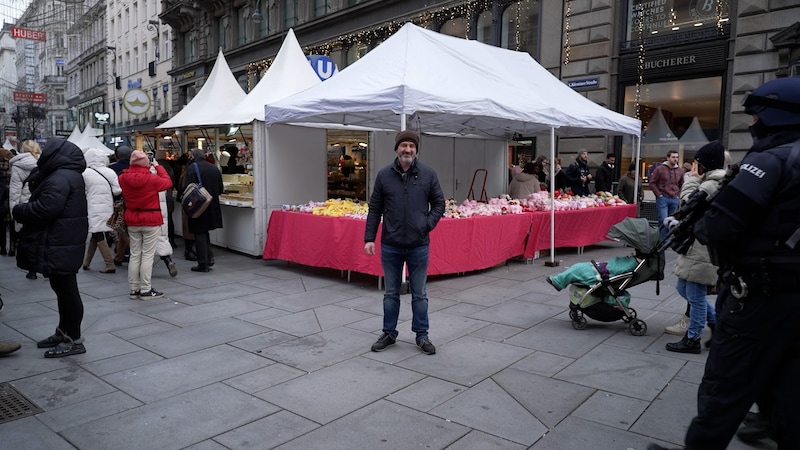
[[117, 219], [195, 198]]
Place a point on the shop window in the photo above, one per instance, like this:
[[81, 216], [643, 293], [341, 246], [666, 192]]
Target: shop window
[[676, 115], [484, 28], [648, 19], [520, 27], [455, 27], [347, 164]]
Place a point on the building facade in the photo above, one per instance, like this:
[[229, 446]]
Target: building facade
[[8, 83], [681, 66]]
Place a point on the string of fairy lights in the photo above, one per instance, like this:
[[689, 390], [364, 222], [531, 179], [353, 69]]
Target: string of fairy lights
[[567, 15], [378, 33]]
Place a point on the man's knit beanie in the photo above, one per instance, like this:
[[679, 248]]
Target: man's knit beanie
[[406, 136]]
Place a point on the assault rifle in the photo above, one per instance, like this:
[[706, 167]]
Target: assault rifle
[[681, 224]]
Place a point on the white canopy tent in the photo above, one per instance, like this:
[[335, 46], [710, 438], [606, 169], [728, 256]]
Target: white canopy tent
[[88, 139], [289, 74], [221, 92], [274, 168], [452, 86]]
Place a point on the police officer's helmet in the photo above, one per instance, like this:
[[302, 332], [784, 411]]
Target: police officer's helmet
[[776, 102]]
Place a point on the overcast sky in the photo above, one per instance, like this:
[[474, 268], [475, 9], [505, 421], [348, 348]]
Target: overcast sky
[[10, 10]]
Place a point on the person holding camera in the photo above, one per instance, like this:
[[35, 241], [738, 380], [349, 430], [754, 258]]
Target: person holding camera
[[694, 269], [140, 188]]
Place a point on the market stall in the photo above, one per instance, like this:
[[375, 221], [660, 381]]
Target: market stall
[[449, 86], [281, 166]]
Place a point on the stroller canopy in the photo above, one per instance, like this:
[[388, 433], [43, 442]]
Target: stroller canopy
[[636, 232]]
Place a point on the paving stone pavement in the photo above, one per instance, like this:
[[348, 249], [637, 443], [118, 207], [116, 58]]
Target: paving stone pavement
[[266, 354]]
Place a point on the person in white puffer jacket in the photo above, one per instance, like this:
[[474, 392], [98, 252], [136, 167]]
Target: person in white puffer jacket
[[163, 247], [18, 190], [101, 188]]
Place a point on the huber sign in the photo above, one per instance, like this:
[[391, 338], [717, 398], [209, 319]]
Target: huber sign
[[24, 33], [29, 97]]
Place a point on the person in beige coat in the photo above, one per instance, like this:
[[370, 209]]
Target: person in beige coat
[[526, 182], [694, 269]]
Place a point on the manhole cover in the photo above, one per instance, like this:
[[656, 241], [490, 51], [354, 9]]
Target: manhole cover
[[14, 405]]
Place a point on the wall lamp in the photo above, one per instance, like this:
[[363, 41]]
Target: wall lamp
[[257, 17], [155, 25]]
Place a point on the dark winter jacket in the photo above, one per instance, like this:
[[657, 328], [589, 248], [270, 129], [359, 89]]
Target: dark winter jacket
[[140, 188], [411, 204], [54, 220], [211, 219], [121, 165], [574, 172], [604, 178]]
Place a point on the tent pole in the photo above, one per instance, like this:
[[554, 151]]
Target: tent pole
[[552, 262], [403, 124]]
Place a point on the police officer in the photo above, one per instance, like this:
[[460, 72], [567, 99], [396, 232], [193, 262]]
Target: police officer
[[756, 220]]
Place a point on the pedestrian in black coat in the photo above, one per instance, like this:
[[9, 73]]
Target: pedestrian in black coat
[[55, 225], [211, 219]]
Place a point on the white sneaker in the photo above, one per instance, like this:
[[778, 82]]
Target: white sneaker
[[679, 329]]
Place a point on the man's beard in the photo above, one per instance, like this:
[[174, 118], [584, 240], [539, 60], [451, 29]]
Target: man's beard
[[406, 159]]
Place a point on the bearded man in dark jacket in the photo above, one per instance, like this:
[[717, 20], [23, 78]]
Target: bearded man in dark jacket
[[408, 197], [55, 225]]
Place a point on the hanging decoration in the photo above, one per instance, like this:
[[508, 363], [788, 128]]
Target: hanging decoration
[[639, 69], [567, 16], [372, 36]]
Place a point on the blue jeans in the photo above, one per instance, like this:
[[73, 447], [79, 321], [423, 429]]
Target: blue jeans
[[392, 259], [666, 207], [702, 310]]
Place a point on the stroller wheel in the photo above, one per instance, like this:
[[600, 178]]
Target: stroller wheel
[[574, 315], [579, 323], [637, 327]]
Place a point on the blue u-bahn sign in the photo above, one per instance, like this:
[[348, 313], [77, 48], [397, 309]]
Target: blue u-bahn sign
[[323, 66]]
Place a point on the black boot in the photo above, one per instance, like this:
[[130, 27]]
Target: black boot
[[173, 270], [201, 268], [12, 248], [707, 344], [189, 253], [754, 430], [685, 345]]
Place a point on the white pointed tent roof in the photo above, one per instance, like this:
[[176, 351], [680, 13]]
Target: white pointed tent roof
[[694, 137], [658, 131], [90, 140], [7, 145], [454, 86], [289, 74], [221, 92], [74, 137]]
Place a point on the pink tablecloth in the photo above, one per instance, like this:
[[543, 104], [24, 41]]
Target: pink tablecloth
[[575, 228], [457, 245]]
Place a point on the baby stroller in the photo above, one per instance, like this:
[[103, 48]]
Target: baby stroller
[[607, 300]]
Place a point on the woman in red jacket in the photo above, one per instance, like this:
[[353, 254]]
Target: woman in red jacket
[[140, 188]]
